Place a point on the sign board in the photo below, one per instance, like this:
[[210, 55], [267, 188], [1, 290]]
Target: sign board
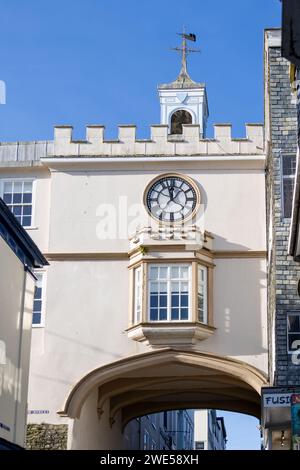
[[273, 400], [295, 416]]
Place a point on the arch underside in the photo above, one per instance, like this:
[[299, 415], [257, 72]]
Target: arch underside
[[170, 379]]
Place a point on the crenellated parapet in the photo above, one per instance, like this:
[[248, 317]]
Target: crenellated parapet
[[160, 143]]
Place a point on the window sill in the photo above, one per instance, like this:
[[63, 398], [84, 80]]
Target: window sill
[[170, 334], [31, 228], [38, 326]]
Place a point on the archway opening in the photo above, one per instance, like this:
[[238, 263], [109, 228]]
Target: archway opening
[[205, 429], [179, 118], [156, 382]]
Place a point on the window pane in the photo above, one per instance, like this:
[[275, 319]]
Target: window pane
[[184, 300], [26, 221], [184, 272], [202, 294], [288, 188], [17, 210], [163, 314], [163, 300], [36, 318], [7, 198], [27, 210], [27, 187], [154, 287], [18, 187], [175, 287], [184, 314], [38, 293], [27, 198], [8, 187], [153, 300], [37, 305], [163, 287], [184, 287], [175, 314], [175, 272], [17, 198], [153, 273], [175, 300], [153, 314], [294, 323], [288, 165], [163, 273]]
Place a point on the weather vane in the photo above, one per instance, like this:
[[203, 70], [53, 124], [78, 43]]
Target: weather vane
[[185, 50]]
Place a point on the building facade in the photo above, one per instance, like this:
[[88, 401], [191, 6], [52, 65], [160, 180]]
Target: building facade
[[283, 273], [155, 297], [19, 258], [169, 430], [209, 431]]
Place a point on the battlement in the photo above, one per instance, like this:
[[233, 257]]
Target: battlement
[[160, 143]]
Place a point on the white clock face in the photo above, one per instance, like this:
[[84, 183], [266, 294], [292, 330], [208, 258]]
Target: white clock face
[[171, 199]]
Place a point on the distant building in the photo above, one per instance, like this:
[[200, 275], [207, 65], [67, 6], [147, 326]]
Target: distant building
[[19, 257], [209, 431], [169, 430]]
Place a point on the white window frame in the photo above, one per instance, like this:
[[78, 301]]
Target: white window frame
[[205, 285], [138, 294], [292, 314], [44, 276], [283, 178], [169, 281], [25, 180]]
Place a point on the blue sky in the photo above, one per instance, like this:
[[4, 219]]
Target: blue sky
[[242, 431], [85, 62]]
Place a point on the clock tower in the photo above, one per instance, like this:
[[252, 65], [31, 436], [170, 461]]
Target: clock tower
[[183, 101]]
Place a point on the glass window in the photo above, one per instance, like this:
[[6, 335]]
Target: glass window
[[293, 331], [147, 441], [169, 292], [38, 300], [199, 445], [17, 195], [202, 294], [137, 294], [288, 176]]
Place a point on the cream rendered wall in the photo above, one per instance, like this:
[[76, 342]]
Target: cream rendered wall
[[86, 318], [234, 203], [239, 310], [16, 294], [90, 433], [87, 301]]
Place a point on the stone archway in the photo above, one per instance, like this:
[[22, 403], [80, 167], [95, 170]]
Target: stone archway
[[164, 379]]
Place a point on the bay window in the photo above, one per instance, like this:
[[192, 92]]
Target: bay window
[[169, 292]]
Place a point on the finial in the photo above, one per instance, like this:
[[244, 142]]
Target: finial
[[185, 50]]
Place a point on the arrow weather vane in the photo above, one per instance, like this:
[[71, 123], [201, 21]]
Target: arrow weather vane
[[185, 50]]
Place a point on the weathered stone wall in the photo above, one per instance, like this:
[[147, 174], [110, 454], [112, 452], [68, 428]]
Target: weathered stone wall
[[47, 436], [285, 299]]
